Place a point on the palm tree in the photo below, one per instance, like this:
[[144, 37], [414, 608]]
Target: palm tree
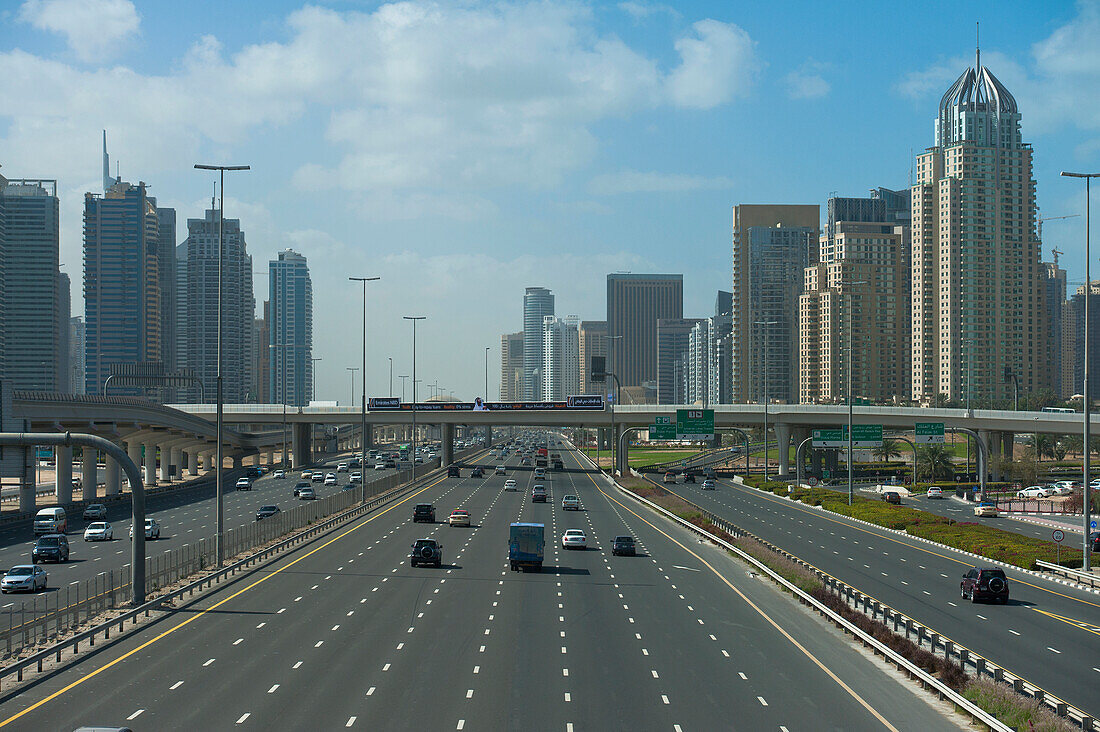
[[1042, 445], [887, 450], [935, 462]]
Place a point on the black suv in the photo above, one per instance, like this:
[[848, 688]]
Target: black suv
[[985, 583], [51, 548], [266, 512], [424, 512], [426, 551], [454, 472], [477, 473], [559, 465], [623, 545]]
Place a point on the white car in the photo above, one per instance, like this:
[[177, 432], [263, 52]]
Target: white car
[[317, 476], [99, 531], [574, 539], [279, 474], [1034, 491], [342, 468], [511, 485], [330, 479], [25, 577], [1062, 488], [934, 492], [306, 494], [500, 470], [380, 465], [152, 529]]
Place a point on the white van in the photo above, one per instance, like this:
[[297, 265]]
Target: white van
[[50, 521]]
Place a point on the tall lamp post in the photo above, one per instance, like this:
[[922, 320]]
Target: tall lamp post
[[414, 318], [351, 370], [486, 392], [363, 411], [274, 347], [618, 396], [851, 461], [767, 347], [1087, 528], [402, 377], [218, 488], [391, 375]]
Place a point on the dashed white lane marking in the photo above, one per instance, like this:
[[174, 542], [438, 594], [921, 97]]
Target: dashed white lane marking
[[568, 696], [208, 662], [664, 698], [238, 641], [1054, 649], [461, 724], [762, 702], [742, 675], [351, 721], [297, 665], [135, 715], [1010, 630], [469, 693], [175, 686], [386, 667], [273, 688], [244, 716], [370, 691], [654, 672]]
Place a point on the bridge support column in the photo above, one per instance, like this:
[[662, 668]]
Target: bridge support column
[[1008, 442], [113, 483], [799, 434], [192, 462], [783, 445], [28, 487], [302, 447], [175, 463], [88, 474], [622, 454], [238, 461], [992, 440], [447, 441], [63, 472], [150, 463], [165, 463]]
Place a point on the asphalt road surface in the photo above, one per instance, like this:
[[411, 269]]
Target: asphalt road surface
[[1049, 633], [345, 634]]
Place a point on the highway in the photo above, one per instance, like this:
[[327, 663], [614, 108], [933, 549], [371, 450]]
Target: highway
[[185, 516], [343, 633], [1049, 633]]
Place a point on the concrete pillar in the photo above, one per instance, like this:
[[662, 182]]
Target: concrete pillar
[[192, 462], [783, 443], [28, 485], [447, 439], [63, 464], [114, 481], [150, 463], [991, 439], [165, 463], [175, 462], [88, 474], [1008, 442], [133, 451], [302, 448], [238, 460]]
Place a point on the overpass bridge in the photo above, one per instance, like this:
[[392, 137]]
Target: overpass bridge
[[184, 434]]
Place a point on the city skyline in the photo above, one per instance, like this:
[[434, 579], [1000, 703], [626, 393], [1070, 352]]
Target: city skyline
[[623, 191]]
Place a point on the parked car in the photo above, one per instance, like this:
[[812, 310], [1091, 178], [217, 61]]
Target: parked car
[[23, 578], [267, 512], [570, 503], [426, 551], [424, 512], [1062, 488], [574, 539], [934, 492], [99, 531], [95, 512], [985, 583], [152, 529], [1034, 491], [244, 484], [51, 548], [459, 517], [623, 546], [307, 494], [986, 509], [279, 474]]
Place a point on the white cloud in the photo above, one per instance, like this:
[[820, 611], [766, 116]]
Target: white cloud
[[95, 29], [807, 82], [642, 11], [717, 64], [634, 181]]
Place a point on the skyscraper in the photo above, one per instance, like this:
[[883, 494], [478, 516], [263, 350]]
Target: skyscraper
[[166, 275], [121, 280], [31, 293], [672, 344], [64, 333], [977, 282], [290, 329], [1055, 297], [635, 302], [561, 376], [199, 297], [538, 302], [76, 355], [511, 367], [593, 342], [772, 245]]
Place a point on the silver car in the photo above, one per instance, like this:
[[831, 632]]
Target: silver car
[[24, 578]]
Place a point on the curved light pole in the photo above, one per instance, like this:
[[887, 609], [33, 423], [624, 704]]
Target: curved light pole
[[218, 488], [414, 318], [363, 413], [1087, 528]]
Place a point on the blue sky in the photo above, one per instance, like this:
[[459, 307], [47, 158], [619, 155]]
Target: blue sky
[[463, 151]]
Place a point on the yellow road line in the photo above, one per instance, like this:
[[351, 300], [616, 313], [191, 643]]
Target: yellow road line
[[862, 702], [1083, 625], [198, 615]]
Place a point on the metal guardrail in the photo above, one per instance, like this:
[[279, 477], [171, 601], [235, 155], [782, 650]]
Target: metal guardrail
[[900, 623], [1084, 578]]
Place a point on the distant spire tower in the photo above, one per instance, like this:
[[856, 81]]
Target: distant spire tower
[[106, 165]]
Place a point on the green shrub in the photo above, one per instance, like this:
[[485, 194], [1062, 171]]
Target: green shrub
[[1004, 546]]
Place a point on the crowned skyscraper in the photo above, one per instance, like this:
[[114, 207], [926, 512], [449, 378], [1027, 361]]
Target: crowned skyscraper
[[977, 281]]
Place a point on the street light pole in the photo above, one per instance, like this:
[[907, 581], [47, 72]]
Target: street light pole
[[391, 375], [218, 487], [351, 370], [851, 459], [402, 377], [486, 392], [414, 318], [618, 396], [275, 347], [767, 348], [1087, 528], [363, 411]]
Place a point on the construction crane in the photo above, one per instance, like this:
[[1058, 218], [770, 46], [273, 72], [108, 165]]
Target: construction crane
[[1039, 225]]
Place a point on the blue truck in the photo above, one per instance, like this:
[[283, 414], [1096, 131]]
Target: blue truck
[[526, 543]]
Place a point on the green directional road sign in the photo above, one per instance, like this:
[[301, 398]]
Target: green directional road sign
[[662, 431], [928, 433], [829, 438], [694, 424], [662, 419]]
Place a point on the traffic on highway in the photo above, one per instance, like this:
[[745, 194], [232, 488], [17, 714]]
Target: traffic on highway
[[629, 623]]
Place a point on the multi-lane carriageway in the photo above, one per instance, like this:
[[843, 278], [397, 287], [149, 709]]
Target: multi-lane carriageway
[[344, 634]]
